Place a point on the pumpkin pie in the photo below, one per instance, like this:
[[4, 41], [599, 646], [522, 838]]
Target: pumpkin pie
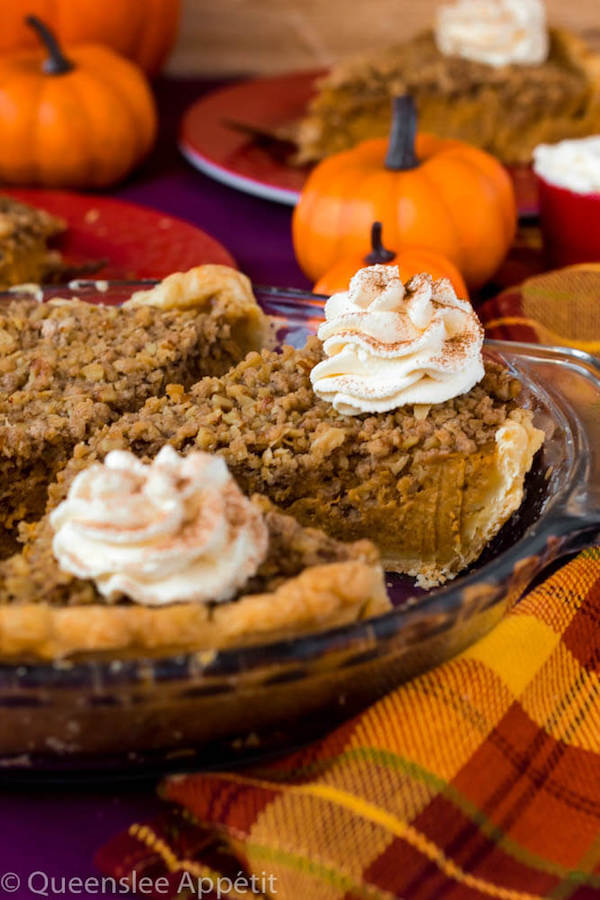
[[68, 367], [505, 109], [25, 254], [388, 426], [170, 557]]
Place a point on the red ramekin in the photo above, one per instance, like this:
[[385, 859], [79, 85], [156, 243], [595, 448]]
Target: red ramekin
[[570, 225]]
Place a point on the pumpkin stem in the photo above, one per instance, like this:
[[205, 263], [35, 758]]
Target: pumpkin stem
[[378, 254], [57, 63], [401, 155]]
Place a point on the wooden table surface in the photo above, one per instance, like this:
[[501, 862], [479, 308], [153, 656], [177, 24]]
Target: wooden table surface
[[238, 36]]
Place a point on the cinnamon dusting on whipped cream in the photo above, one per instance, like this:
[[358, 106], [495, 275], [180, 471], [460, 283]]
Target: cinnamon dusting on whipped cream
[[177, 530], [390, 344]]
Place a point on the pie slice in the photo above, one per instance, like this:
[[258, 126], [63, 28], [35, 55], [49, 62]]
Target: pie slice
[[68, 367], [505, 110], [429, 483], [307, 582]]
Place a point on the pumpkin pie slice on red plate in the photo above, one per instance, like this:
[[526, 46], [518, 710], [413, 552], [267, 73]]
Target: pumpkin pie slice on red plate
[[389, 426], [491, 74], [25, 256]]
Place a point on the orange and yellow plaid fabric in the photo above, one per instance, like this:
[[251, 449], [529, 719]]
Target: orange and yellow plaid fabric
[[479, 779], [560, 308]]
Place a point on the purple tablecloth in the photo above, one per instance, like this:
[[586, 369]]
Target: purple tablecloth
[[56, 830], [255, 231]]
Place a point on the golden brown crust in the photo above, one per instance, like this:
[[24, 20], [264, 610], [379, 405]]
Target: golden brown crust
[[198, 288], [578, 54], [319, 598]]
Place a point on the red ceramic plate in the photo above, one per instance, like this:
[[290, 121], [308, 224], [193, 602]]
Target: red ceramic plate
[[135, 241], [261, 167], [229, 155]]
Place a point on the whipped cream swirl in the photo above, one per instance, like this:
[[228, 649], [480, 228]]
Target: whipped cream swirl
[[574, 164], [389, 345], [495, 32], [178, 530]]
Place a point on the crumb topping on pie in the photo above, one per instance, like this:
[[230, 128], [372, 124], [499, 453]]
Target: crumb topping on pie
[[68, 367], [177, 530], [24, 235], [388, 345], [208, 288], [264, 417], [426, 469]]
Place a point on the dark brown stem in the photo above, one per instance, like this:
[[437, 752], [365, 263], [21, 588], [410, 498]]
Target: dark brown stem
[[401, 155], [57, 63], [378, 254]]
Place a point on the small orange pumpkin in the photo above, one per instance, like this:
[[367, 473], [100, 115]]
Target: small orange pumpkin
[[142, 30], [410, 261], [79, 121], [441, 194]]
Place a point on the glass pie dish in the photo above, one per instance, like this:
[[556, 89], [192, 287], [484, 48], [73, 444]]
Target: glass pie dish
[[220, 708]]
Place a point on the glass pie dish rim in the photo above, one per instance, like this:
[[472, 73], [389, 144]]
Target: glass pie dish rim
[[447, 599]]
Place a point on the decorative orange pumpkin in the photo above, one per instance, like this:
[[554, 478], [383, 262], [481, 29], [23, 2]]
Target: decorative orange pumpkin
[[142, 30], [410, 261], [427, 192], [82, 120]]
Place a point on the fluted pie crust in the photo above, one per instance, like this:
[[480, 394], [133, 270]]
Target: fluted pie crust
[[307, 583], [507, 111]]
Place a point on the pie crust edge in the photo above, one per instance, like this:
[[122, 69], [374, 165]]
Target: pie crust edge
[[319, 598]]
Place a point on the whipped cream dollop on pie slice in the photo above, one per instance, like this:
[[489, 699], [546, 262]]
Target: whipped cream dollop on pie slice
[[494, 32], [177, 530], [391, 345]]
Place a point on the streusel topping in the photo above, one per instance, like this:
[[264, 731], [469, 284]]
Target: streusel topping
[[278, 438]]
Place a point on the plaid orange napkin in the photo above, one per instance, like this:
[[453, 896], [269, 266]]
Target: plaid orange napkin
[[556, 308], [479, 779]]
